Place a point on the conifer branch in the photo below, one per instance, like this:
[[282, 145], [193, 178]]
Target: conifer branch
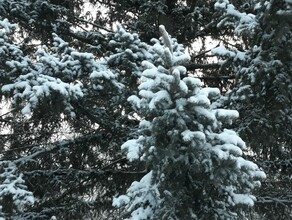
[[166, 38]]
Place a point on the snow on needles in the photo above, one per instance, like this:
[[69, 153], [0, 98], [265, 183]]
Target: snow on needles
[[14, 185], [53, 74], [244, 22], [143, 192], [133, 148]]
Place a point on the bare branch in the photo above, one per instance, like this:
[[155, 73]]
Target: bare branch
[[216, 77], [53, 147], [267, 199], [194, 66], [93, 24]]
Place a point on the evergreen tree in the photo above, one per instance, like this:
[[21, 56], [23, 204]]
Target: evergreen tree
[[195, 168], [61, 129], [262, 94], [38, 19], [14, 195]]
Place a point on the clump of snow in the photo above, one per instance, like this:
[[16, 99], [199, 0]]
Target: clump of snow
[[121, 201], [199, 100], [193, 135], [145, 198], [178, 60], [144, 124], [226, 151], [239, 199], [134, 100], [211, 93], [8, 27], [133, 148], [205, 114], [230, 137], [160, 98], [195, 82], [226, 115], [102, 74], [248, 165], [245, 22], [222, 51], [14, 185]]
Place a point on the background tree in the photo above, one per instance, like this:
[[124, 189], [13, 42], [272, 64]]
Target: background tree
[[263, 94], [62, 128]]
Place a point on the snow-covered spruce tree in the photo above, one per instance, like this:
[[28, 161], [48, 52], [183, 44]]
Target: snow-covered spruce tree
[[195, 166], [14, 196], [263, 94], [60, 118]]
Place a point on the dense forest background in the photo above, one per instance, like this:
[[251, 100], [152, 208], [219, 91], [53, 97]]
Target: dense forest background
[[126, 109]]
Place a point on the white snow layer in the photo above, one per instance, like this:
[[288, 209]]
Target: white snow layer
[[237, 198], [145, 198], [193, 135], [222, 51], [14, 185], [230, 137], [133, 148]]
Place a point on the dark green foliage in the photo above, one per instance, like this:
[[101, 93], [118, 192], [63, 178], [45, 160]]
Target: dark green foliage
[[65, 140], [263, 96], [62, 128]]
